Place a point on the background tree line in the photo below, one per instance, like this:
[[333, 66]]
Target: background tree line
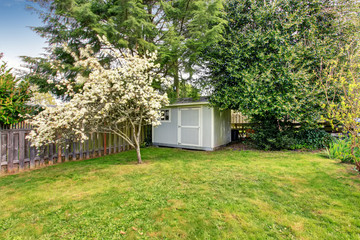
[[265, 59], [178, 30]]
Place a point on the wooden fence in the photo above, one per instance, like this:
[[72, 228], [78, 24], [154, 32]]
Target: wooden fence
[[16, 153], [243, 127], [20, 125], [238, 118]]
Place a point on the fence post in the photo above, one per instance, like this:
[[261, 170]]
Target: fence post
[[16, 136], [105, 152], [111, 143], [59, 153], [94, 146], [42, 155], [81, 150], [32, 157], [66, 148], [87, 146], [99, 144], [74, 151], [51, 154], [10, 165], [115, 143], [93, 138], [21, 149]]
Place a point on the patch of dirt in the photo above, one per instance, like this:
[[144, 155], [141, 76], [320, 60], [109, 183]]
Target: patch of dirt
[[240, 146], [309, 150]]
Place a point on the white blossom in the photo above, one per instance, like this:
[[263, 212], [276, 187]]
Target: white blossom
[[113, 96]]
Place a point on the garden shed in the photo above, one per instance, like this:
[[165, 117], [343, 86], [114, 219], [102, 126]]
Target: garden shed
[[193, 125]]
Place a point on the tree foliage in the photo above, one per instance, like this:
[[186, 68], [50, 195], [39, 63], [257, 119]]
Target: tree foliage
[[341, 84], [178, 29], [114, 98], [14, 94], [267, 65]]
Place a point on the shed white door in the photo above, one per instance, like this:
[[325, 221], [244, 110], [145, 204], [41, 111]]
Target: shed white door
[[189, 128]]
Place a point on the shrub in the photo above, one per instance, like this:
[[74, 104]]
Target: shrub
[[268, 137], [341, 149], [312, 139]]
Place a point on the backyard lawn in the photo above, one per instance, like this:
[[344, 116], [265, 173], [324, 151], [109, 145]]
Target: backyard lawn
[[180, 194]]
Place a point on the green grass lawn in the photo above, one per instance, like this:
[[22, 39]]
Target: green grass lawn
[[179, 194]]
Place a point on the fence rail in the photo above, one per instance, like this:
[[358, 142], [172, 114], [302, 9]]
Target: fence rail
[[20, 125], [242, 128], [238, 118], [17, 154]]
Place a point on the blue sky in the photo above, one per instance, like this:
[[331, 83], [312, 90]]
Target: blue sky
[[16, 38]]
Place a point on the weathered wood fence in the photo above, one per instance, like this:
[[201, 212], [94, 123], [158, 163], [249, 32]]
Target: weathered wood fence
[[20, 125], [242, 128], [238, 118], [17, 154]]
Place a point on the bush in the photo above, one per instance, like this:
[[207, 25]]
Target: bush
[[268, 137], [312, 139], [341, 149], [269, 134]]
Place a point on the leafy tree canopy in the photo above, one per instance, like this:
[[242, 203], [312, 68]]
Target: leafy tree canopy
[[178, 29], [268, 63], [13, 96], [341, 84]]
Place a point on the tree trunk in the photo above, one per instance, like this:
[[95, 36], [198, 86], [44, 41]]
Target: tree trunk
[[138, 153], [353, 144], [357, 166], [59, 160], [176, 79]]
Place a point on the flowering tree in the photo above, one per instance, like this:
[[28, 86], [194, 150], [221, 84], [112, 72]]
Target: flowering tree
[[342, 89], [115, 94]]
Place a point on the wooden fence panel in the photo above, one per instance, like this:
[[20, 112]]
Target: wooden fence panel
[[17, 154], [3, 150]]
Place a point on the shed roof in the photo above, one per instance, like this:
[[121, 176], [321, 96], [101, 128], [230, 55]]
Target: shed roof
[[191, 101]]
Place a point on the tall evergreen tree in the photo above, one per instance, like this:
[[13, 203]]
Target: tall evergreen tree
[[268, 63], [178, 29]]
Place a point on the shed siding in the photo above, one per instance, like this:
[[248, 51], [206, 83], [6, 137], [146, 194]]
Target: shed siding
[[206, 126], [215, 128], [222, 127], [167, 131]]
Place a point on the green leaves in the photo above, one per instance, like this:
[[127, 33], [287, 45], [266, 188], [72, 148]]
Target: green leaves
[[342, 149], [270, 55], [268, 64], [179, 30], [13, 96]]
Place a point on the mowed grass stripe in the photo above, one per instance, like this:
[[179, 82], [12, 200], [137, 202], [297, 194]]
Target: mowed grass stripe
[[180, 194]]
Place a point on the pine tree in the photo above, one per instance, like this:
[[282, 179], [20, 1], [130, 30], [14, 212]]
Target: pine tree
[[179, 30]]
